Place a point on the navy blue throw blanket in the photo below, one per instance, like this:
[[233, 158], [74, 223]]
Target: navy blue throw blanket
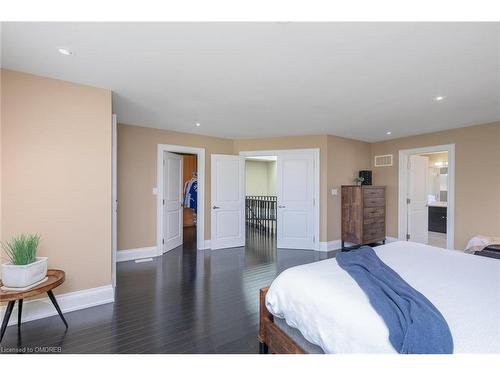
[[415, 325]]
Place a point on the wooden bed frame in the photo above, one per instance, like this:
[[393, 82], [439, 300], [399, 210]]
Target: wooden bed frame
[[271, 337]]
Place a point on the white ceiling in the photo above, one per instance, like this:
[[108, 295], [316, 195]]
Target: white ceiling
[[247, 80]]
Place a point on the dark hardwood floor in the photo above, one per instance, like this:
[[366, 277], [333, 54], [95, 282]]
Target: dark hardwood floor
[[186, 301]]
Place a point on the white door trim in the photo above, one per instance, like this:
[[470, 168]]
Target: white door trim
[[316, 153], [200, 214], [114, 198], [403, 188]]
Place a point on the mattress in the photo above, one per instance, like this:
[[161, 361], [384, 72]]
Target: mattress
[[330, 310]]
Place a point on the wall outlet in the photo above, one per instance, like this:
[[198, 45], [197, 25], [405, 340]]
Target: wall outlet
[[335, 191], [155, 191]]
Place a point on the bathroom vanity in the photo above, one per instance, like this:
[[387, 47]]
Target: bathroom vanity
[[437, 216]]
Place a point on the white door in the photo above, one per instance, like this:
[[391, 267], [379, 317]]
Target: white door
[[172, 201], [114, 199], [418, 219], [295, 186], [228, 201]]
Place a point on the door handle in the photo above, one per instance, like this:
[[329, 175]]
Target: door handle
[[281, 206], [215, 207]]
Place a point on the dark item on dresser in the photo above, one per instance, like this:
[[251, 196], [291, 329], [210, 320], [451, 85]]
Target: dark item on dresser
[[437, 219], [54, 279], [490, 251], [367, 177], [363, 215]]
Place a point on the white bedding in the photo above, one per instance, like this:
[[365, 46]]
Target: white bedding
[[326, 305]]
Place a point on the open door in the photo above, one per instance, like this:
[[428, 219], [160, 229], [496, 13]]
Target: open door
[[172, 201], [295, 186], [228, 201], [418, 218]]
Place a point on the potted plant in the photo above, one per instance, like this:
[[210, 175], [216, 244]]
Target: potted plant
[[359, 180], [24, 268]]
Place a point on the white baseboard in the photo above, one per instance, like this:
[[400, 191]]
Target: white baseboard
[[133, 254], [43, 308], [330, 245]]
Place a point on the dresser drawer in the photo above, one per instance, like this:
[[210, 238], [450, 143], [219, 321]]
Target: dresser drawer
[[371, 212], [374, 202], [374, 193], [373, 233], [377, 221]]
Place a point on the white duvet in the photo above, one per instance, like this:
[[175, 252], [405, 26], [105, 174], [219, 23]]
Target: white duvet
[[326, 305]]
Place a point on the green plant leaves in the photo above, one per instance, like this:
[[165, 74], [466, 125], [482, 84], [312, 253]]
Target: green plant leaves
[[21, 249]]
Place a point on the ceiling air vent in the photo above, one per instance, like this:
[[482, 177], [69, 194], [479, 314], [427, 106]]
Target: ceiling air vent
[[383, 160]]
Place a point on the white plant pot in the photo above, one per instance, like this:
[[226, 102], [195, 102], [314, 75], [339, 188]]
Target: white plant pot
[[22, 276]]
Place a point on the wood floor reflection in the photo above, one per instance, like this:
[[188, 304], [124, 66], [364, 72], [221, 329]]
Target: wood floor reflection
[[186, 301]]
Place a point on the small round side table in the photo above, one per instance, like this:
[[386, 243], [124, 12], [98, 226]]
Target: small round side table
[[54, 279]]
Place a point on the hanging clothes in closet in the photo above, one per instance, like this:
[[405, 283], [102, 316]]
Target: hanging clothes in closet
[[191, 195]]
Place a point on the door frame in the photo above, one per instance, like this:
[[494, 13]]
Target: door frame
[[316, 153], [114, 197], [403, 189], [200, 211]]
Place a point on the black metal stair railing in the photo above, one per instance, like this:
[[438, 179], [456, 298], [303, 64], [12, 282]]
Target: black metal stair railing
[[260, 212]]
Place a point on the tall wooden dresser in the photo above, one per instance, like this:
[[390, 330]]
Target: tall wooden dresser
[[363, 214]]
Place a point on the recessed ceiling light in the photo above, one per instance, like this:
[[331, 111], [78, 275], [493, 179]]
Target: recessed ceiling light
[[65, 51], [198, 124], [388, 133], [438, 98]]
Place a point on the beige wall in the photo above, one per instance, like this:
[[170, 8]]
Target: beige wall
[[137, 152], [271, 178], [477, 178], [346, 157], [56, 177], [260, 177]]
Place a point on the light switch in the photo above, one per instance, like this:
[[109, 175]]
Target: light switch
[[155, 191], [335, 191]]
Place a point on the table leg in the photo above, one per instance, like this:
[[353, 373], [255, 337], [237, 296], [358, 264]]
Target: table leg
[[19, 312], [6, 318], [54, 302]]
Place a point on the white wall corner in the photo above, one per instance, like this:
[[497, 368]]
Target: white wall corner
[[82, 299], [330, 245], [133, 254]]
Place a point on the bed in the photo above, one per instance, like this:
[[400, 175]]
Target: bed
[[319, 308]]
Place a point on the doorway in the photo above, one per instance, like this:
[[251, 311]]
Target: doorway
[[426, 196], [296, 187], [261, 202], [180, 197]]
